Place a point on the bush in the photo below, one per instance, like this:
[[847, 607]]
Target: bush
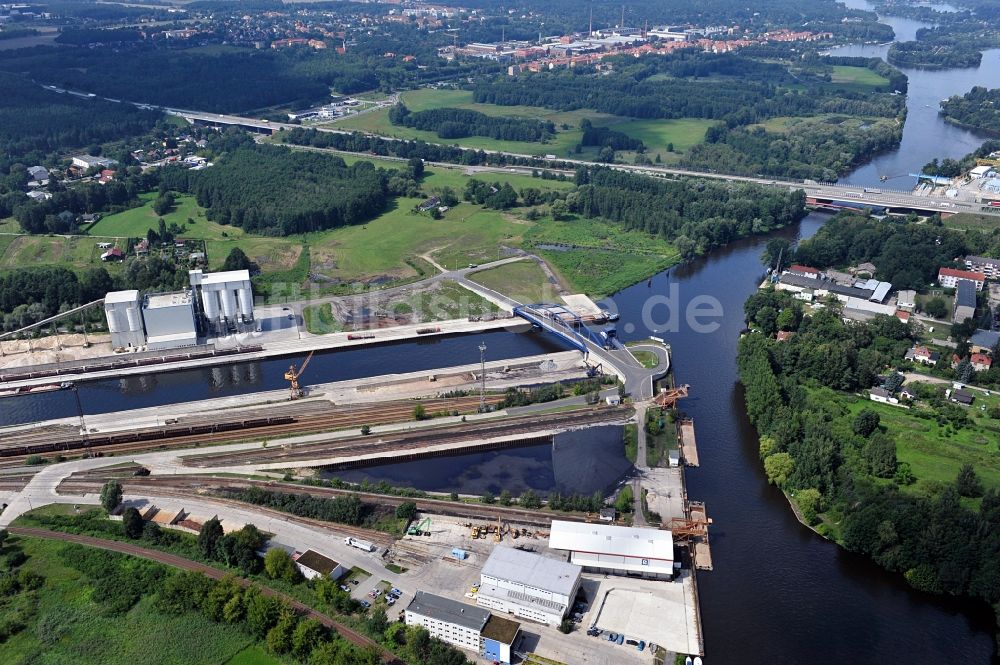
[[278, 565], [406, 510]]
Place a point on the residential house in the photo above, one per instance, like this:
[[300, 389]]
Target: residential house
[[38, 176], [113, 254], [922, 355], [882, 395], [430, 203], [980, 362], [962, 397]]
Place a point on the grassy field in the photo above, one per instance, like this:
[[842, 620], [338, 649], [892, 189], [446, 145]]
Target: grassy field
[[523, 281], [683, 133], [319, 319], [658, 134], [970, 221], [9, 225], [936, 452], [68, 627], [600, 273], [857, 77], [77, 252]]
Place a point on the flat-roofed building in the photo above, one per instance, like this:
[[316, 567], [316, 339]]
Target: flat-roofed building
[[985, 265], [965, 301], [618, 549], [123, 312], [464, 626], [169, 319], [528, 585]]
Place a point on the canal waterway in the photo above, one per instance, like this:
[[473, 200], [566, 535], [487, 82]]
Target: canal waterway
[[779, 593], [135, 392], [581, 462], [926, 135]]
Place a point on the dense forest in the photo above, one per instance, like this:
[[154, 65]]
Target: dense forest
[[451, 123], [978, 109], [738, 89], [694, 215], [820, 149], [937, 54], [842, 468], [36, 123], [276, 191]]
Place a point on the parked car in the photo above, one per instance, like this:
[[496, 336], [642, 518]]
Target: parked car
[[344, 587], [642, 645], [365, 604], [621, 639], [632, 643], [391, 601], [612, 637], [396, 592]]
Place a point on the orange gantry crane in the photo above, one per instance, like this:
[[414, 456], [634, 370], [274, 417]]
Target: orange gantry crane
[[292, 376], [667, 399]]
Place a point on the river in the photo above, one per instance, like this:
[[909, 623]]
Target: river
[[779, 593], [925, 135]]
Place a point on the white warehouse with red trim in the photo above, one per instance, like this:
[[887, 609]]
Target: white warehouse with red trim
[[616, 549]]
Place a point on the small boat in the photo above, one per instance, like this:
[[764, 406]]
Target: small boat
[[697, 660], [649, 282], [687, 661]]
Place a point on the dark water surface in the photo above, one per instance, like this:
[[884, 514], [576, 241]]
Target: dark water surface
[[137, 392], [779, 593]]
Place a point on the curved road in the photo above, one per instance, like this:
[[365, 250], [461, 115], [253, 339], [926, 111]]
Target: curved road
[[186, 564]]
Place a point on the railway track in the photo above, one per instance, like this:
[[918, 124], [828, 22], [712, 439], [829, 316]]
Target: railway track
[[406, 443], [92, 481], [19, 446]]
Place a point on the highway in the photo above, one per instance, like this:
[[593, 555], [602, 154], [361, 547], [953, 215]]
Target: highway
[[870, 196]]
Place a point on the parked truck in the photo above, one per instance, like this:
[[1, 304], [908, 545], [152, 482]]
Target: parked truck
[[360, 544]]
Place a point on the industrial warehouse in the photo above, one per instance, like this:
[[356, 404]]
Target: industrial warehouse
[[528, 585], [216, 304], [616, 549]]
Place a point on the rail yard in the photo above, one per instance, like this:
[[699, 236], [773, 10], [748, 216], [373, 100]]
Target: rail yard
[[182, 464]]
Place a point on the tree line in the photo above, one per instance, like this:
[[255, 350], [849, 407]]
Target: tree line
[[452, 123]]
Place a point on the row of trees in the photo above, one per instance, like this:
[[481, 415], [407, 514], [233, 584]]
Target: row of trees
[[843, 463], [452, 123], [345, 510]]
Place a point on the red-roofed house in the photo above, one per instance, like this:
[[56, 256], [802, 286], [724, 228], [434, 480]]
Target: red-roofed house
[[805, 271], [922, 354], [949, 278], [113, 254], [784, 335], [980, 362], [903, 316]]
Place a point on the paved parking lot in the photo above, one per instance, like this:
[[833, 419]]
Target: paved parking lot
[[655, 611]]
